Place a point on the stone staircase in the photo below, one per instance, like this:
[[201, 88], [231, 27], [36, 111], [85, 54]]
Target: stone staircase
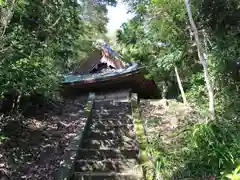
[[109, 150]]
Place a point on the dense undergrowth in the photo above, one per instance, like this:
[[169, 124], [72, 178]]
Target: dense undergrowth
[[161, 37], [35, 48], [197, 148]]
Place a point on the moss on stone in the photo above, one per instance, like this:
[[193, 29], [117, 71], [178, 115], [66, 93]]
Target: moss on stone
[[143, 158]]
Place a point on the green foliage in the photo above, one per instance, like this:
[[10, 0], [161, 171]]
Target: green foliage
[[155, 36], [29, 75], [200, 151], [162, 29], [43, 39], [234, 175], [159, 37], [2, 2], [197, 92], [3, 138]]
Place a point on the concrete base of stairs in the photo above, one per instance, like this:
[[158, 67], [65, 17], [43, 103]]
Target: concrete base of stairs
[[71, 152], [107, 148]]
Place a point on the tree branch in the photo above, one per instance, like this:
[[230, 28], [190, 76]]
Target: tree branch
[[58, 19], [202, 57], [8, 17]]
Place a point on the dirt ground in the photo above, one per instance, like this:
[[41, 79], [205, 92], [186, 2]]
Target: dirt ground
[[35, 142], [164, 123], [162, 118]]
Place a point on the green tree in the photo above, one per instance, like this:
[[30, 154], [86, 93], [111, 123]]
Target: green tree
[[156, 32], [40, 40], [206, 150], [202, 57]]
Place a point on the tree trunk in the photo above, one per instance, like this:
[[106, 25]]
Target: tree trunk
[[180, 86], [202, 57], [164, 90], [164, 93], [6, 16]]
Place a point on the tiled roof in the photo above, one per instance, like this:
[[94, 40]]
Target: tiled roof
[[71, 78], [106, 47]]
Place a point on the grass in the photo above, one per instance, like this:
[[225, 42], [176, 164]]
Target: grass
[[234, 175], [202, 150], [142, 139], [196, 149]]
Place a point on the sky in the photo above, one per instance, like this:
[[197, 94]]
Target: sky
[[117, 15]]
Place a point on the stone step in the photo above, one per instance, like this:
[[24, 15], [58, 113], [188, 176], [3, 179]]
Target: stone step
[[113, 134], [112, 121], [111, 111], [125, 108], [102, 144], [111, 105], [99, 126], [113, 95], [110, 114], [100, 154], [108, 176], [107, 165]]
